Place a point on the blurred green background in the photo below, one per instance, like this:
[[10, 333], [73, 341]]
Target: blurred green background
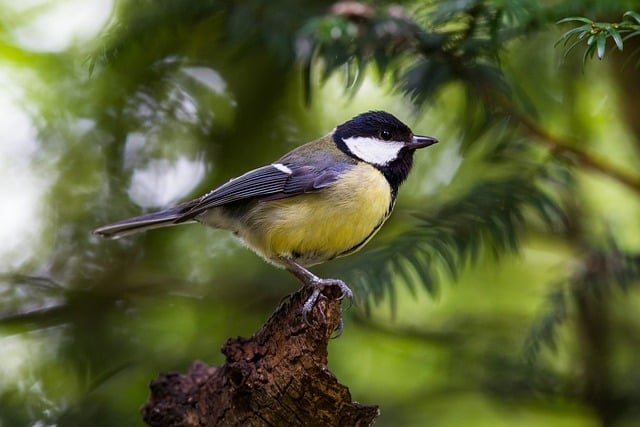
[[503, 291]]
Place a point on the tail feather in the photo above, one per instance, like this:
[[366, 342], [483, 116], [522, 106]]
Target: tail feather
[[141, 223]]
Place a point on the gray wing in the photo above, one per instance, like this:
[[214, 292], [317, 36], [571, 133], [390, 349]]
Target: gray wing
[[270, 182]]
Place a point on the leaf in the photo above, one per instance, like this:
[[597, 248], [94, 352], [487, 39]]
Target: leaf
[[422, 268], [401, 268], [598, 32], [543, 331], [633, 34], [570, 48], [566, 36], [632, 15], [615, 35], [575, 18], [601, 40], [588, 52]]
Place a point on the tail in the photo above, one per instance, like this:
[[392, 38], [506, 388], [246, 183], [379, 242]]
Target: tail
[[141, 223]]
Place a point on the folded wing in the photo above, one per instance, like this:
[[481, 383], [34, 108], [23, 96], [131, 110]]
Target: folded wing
[[270, 182]]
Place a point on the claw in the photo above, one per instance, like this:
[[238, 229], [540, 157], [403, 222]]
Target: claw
[[346, 292], [317, 284], [309, 303]]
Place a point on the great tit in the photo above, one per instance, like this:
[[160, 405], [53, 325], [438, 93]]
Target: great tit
[[323, 200]]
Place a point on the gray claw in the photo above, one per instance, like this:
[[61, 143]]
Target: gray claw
[[309, 303], [310, 279]]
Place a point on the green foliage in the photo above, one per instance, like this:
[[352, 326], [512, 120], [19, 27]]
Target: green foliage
[[461, 44], [595, 34], [443, 241], [599, 274], [219, 87], [353, 35]]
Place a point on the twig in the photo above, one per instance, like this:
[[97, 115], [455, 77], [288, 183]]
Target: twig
[[588, 161]]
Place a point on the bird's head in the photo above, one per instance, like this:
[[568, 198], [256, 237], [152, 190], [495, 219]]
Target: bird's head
[[383, 141]]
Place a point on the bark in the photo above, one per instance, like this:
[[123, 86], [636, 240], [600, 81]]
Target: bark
[[277, 377]]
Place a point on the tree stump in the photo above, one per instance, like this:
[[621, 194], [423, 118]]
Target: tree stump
[[278, 377]]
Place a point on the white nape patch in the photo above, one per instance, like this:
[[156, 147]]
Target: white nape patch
[[374, 150], [282, 168]]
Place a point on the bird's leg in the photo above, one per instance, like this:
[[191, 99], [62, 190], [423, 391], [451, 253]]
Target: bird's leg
[[316, 283]]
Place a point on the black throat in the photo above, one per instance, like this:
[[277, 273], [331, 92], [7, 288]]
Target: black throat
[[383, 126], [395, 172]]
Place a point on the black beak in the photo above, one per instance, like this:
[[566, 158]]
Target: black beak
[[421, 141]]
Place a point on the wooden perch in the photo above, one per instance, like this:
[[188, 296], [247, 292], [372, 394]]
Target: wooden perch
[[277, 377]]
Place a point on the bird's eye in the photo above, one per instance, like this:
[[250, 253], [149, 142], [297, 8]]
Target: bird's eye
[[385, 134]]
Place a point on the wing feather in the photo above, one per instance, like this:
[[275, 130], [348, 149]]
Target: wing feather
[[269, 182]]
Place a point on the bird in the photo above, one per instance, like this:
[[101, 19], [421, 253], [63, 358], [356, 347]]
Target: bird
[[322, 200]]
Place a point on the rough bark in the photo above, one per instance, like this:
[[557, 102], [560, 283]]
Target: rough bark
[[277, 377]]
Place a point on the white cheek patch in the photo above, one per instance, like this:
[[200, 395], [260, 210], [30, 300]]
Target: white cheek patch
[[374, 150]]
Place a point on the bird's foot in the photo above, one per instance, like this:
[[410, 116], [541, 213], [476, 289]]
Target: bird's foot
[[317, 284]]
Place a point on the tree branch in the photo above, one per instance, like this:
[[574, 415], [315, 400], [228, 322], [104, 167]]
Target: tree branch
[[279, 376], [582, 158]]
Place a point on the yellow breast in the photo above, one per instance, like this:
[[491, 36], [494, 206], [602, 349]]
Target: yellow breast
[[316, 227]]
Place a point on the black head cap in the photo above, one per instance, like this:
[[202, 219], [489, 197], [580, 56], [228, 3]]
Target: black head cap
[[383, 141], [376, 124]]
